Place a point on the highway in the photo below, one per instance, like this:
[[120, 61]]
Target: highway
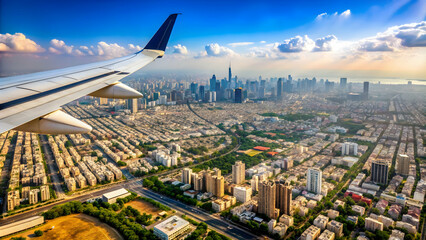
[[214, 222], [135, 185]]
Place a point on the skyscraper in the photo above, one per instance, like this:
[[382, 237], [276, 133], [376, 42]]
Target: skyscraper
[[379, 172], [186, 175], [343, 83], [314, 180], [283, 197], [366, 89], [349, 148], [239, 95], [213, 83], [279, 88], [229, 73], [266, 202], [132, 105], [403, 164], [194, 87], [202, 93], [218, 91], [238, 172]]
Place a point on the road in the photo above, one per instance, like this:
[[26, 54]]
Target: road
[[54, 176], [135, 185], [214, 222]]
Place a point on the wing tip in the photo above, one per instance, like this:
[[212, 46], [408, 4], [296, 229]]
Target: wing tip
[[161, 37]]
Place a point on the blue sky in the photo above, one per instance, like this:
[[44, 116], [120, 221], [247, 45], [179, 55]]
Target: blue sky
[[259, 24]]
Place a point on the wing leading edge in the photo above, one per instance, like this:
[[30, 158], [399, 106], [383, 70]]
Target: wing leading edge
[[31, 102]]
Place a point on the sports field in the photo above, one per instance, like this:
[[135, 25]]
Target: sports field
[[252, 152]]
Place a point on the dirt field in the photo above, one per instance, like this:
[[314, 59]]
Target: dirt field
[[77, 226], [144, 207]]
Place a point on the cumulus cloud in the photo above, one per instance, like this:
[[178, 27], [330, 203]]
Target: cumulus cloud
[[396, 38], [296, 44], [238, 44], [325, 43], [18, 42], [215, 50], [102, 49], [180, 49]]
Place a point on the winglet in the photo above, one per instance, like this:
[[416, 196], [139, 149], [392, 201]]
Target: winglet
[[161, 37]]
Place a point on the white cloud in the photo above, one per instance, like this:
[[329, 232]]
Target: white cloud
[[18, 42], [325, 43], [396, 38], [336, 15], [296, 44], [215, 50], [180, 49], [238, 44], [102, 49], [59, 47], [320, 16], [346, 13]]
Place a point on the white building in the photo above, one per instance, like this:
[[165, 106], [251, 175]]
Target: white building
[[111, 197], [314, 180], [349, 148], [242, 194], [171, 228]]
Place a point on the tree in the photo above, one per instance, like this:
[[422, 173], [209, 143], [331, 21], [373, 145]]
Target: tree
[[38, 233]]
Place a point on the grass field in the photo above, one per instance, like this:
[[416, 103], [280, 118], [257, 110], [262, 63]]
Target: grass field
[[76, 226], [252, 152], [144, 207]]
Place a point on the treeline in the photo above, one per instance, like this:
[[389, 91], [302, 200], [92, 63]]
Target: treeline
[[156, 204], [197, 150], [225, 163], [126, 221], [169, 190]]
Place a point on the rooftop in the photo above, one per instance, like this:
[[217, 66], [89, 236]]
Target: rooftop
[[115, 193], [171, 225]]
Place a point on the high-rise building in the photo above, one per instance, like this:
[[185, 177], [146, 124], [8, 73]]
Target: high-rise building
[[202, 93], [283, 197], [238, 172], [366, 89], [279, 88], [194, 87], [186, 175], [314, 180], [214, 182], [103, 101], [379, 172], [213, 83], [45, 193], [132, 105], [33, 197], [156, 96], [266, 202], [403, 166], [343, 83], [239, 95], [220, 186], [242, 193], [349, 148], [218, 91], [229, 73]]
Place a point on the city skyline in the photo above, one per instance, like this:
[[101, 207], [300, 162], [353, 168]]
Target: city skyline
[[361, 41]]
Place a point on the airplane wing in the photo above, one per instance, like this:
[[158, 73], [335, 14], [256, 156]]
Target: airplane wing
[[32, 102]]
